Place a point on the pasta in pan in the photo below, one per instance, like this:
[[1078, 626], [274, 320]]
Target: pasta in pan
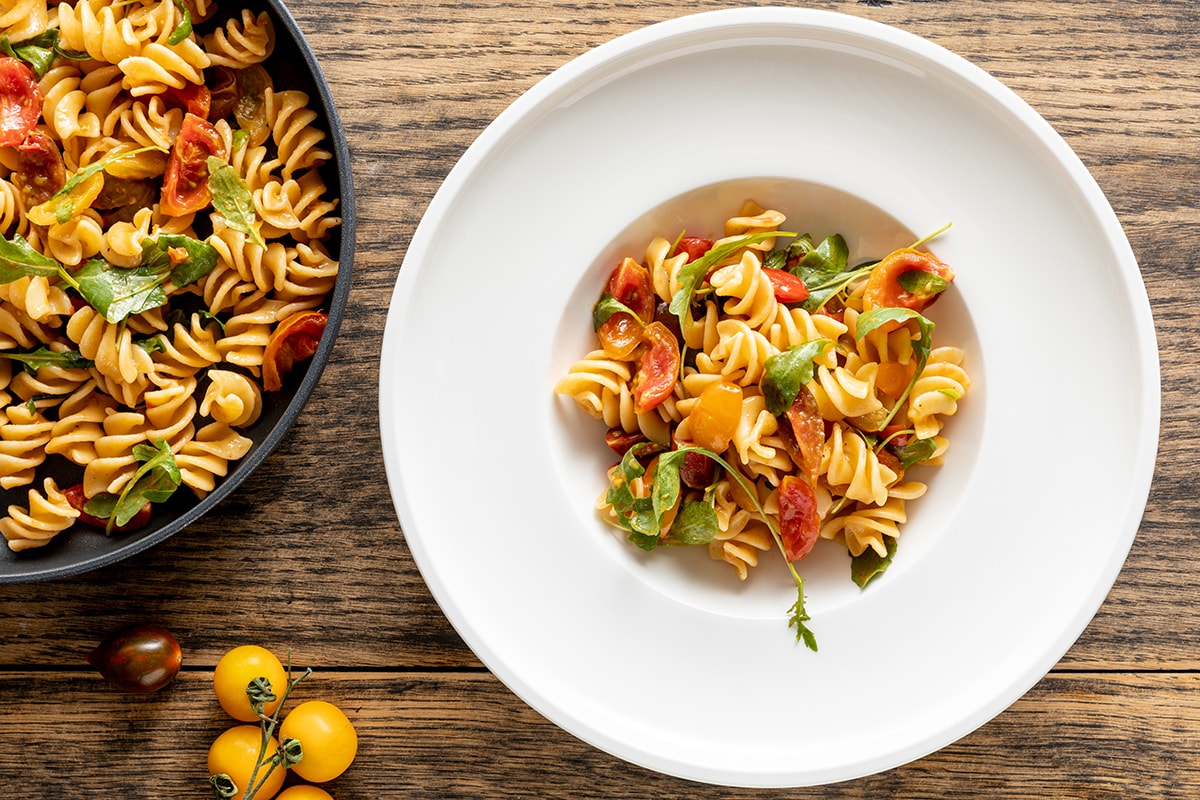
[[164, 219], [762, 393]]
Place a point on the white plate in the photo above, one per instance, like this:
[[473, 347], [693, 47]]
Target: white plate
[[665, 660]]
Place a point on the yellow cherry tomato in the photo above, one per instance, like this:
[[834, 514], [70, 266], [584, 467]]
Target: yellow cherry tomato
[[235, 752], [302, 791], [327, 737], [237, 669]]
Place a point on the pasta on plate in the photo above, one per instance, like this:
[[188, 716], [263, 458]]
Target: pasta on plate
[[763, 393], [164, 259]]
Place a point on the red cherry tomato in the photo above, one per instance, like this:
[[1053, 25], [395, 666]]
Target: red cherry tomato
[[294, 339], [808, 427], [78, 500], [883, 289], [20, 101], [630, 284], [619, 441], [788, 287], [658, 368], [185, 184], [141, 659], [223, 93], [193, 98], [799, 523], [41, 167], [694, 246]]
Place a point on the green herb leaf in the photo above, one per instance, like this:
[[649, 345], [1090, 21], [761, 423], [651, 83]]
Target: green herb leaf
[[201, 257], [39, 51], [696, 523], [184, 28], [922, 282], [633, 514], [154, 482], [784, 373], [154, 344], [799, 616], [45, 357], [240, 137], [117, 292], [915, 452], [865, 567], [664, 492], [690, 276], [830, 257], [18, 259], [232, 199], [608, 305]]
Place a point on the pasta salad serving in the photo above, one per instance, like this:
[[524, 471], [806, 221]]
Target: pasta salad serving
[[762, 393], [164, 259]]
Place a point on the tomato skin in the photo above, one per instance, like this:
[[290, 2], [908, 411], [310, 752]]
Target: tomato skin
[[303, 791], [140, 659], [235, 752], [714, 418], [694, 246], [620, 441], [630, 284], [185, 184], [658, 368], [327, 737], [78, 500], [808, 428], [294, 339], [40, 165], [234, 672], [788, 287], [20, 101], [223, 93], [697, 470], [193, 98], [799, 522], [883, 289]]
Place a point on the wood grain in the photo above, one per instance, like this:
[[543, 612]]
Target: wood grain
[[308, 554]]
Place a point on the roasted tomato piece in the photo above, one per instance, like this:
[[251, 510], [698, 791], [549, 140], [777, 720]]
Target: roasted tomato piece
[[294, 339], [715, 416], [658, 368], [630, 284], [76, 498], [694, 246], [121, 192], [697, 470], [194, 98], [620, 441], [20, 101], [40, 167], [808, 428], [788, 287], [799, 522], [883, 289], [251, 107], [223, 93], [185, 184]]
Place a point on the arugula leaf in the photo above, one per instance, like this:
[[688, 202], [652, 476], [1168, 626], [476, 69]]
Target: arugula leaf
[[606, 306], [98, 166], [34, 360], [633, 514], [696, 523], [18, 259], [875, 317], [40, 51], [867, 566], [830, 257], [232, 199], [117, 292], [799, 616], [153, 344], [664, 492], [155, 482], [202, 257], [915, 452], [784, 373], [691, 275], [922, 283], [184, 28]]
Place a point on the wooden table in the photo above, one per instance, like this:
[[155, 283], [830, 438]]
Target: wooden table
[[308, 554]]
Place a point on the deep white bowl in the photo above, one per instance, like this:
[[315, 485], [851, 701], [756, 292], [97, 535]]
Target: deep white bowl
[[848, 126]]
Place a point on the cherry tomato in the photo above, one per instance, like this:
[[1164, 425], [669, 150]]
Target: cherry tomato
[[193, 98], [40, 165], [140, 660], [62, 207], [629, 283], [250, 111], [808, 428], [235, 752], [185, 184], [327, 737], [78, 500], [715, 416], [788, 287], [20, 101], [619, 441], [799, 523], [294, 339], [658, 368], [892, 377], [223, 93], [303, 791], [694, 246], [883, 289], [237, 669], [697, 470]]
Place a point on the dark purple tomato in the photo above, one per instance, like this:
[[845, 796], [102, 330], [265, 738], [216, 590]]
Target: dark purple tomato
[[140, 659]]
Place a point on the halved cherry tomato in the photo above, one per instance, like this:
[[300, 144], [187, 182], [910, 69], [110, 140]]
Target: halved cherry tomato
[[193, 98], [808, 426], [250, 111], [883, 289], [799, 523], [41, 167], [694, 246], [658, 368], [140, 659], [714, 418], [788, 287], [62, 207], [697, 470], [619, 441], [20, 101], [185, 184], [78, 500], [223, 93], [294, 339], [630, 284]]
